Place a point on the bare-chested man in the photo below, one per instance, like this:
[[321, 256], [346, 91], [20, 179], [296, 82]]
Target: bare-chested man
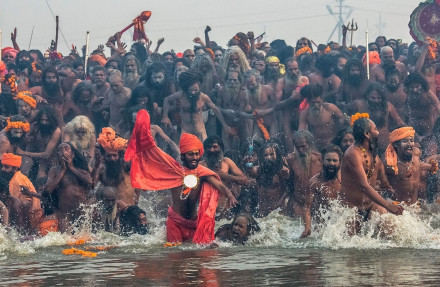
[[354, 83], [117, 99], [231, 99], [423, 105], [100, 85], [404, 167], [323, 120], [387, 62], [112, 172], [192, 102], [72, 182], [361, 168], [82, 102], [131, 72], [12, 136], [426, 67], [304, 163], [260, 97], [380, 111], [325, 73], [394, 92], [323, 187], [109, 208], [228, 171], [273, 180], [50, 93]]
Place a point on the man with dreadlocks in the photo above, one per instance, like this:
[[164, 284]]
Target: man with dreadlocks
[[71, 180], [192, 102], [234, 60], [112, 172]]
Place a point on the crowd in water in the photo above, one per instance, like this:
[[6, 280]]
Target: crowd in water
[[283, 128]]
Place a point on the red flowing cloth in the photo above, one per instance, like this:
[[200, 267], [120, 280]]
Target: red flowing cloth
[[153, 169]]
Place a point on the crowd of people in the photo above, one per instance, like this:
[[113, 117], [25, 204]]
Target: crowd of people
[[281, 127]]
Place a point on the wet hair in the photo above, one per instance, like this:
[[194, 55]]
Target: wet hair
[[82, 86], [312, 91], [52, 70], [130, 57], [356, 63], [156, 67], [416, 78], [99, 193], [169, 53], [340, 136], [140, 52], [304, 134], [189, 78], [50, 113], [285, 53], [265, 177], [129, 220], [361, 126], [331, 148], [251, 73], [252, 226], [326, 64], [212, 140], [141, 92], [375, 86], [305, 61]]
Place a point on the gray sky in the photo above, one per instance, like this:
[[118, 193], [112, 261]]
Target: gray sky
[[180, 21]]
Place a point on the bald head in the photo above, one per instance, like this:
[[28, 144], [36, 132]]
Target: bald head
[[387, 54]]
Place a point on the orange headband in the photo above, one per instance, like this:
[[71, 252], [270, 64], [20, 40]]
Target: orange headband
[[17, 125], [11, 159], [358, 116], [26, 97]]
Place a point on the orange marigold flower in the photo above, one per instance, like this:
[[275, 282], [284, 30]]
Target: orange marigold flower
[[357, 116]]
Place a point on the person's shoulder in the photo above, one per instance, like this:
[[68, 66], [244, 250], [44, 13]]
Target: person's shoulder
[[316, 156]]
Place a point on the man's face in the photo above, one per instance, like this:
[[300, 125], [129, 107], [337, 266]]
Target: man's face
[[405, 148], [17, 133], [302, 43], [111, 156], [214, 156], [81, 133], [373, 48], [116, 85], [415, 89], [331, 165], [240, 229], [80, 72], [292, 68], [194, 90], [8, 172], [260, 66], [191, 159], [270, 155], [273, 66], [341, 64], [234, 61], [168, 58], [346, 142], [380, 42], [316, 104], [218, 56], [374, 133], [251, 83], [189, 55], [98, 78], [24, 109], [387, 56], [233, 79], [302, 147], [8, 59], [35, 78], [392, 44], [130, 66], [64, 151], [85, 97], [215, 147], [374, 99], [51, 78], [157, 79]]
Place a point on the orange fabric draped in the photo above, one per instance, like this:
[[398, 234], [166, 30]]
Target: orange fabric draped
[[153, 169], [11, 160], [390, 153]]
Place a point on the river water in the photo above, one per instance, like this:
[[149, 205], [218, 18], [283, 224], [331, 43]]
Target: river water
[[274, 257]]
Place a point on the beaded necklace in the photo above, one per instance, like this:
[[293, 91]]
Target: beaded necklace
[[370, 170]]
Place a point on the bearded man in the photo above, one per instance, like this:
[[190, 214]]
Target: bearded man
[[27, 106], [235, 60], [159, 86], [272, 179], [322, 119], [32, 212], [50, 93], [260, 97], [303, 164], [13, 135], [42, 142], [8, 55], [387, 63], [153, 169], [81, 133], [100, 85], [380, 111], [112, 171], [404, 168], [231, 99], [360, 170], [323, 187], [273, 72], [35, 77], [325, 73], [82, 102], [131, 71], [394, 92], [192, 102], [423, 105], [72, 182], [354, 83]]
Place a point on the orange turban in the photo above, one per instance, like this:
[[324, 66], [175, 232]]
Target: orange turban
[[11, 159], [98, 59], [26, 97], [374, 58], [189, 142], [109, 142], [390, 153]]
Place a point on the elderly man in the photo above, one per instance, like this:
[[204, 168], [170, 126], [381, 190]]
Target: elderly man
[[404, 168], [153, 169], [12, 136], [387, 63], [20, 187], [8, 55]]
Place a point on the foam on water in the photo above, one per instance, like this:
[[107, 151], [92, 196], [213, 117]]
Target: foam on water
[[416, 228]]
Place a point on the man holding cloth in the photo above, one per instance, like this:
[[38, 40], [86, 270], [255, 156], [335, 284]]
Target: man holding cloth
[[153, 169]]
